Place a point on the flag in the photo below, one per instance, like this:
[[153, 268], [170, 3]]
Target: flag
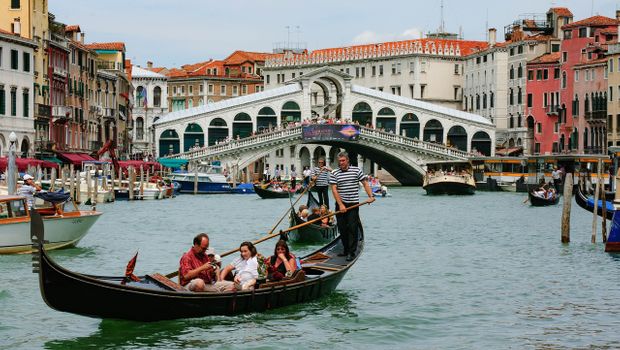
[[131, 265]]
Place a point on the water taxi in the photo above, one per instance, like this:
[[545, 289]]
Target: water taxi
[[449, 177]]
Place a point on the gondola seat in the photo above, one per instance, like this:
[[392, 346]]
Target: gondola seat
[[166, 282], [298, 276]]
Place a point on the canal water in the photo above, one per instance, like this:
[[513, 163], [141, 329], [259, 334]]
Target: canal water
[[482, 271]]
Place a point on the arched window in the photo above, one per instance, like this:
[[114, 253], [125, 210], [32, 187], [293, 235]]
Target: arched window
[[512, 72], [157, 96], [520, 71], [140, 96], [564, 80], [139, 128]]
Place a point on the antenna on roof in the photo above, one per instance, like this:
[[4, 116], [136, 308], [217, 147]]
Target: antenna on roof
[[441, 25], [486, 25]]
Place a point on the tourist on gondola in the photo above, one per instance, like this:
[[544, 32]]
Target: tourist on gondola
[[304, 215], [320, 176], [325, 221], [244, 267], [345, 188], [281, 263], [315, 214], [28, 189], [198, 271], [301, 209]]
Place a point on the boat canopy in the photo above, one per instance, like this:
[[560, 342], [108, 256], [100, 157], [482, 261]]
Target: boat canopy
[[22, 164], [172, 163]]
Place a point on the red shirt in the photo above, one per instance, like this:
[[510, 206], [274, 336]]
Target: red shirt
[[190, 261]]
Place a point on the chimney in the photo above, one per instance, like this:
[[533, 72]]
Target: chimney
[[618, 19], [149, 64], [82, 38], [492, 36]]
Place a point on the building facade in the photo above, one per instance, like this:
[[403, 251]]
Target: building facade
[[613, 100], [150, 91], [424, 69], [16, 92]]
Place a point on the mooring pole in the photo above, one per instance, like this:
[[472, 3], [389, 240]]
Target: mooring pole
[[568, 195]]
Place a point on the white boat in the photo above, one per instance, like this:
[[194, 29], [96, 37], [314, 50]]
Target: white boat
[[63, 229], [449, 177]]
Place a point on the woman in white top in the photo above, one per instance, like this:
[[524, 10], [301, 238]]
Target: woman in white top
[[245, 267]]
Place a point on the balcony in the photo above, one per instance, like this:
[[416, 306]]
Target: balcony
[[105, 65], [42, 111], [597, 115], [552, 109], [60, 71], [109, 113], [61, 113]]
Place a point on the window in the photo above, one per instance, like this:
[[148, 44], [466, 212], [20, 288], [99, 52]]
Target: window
[[611, 65], [14, 60], [576, 75], [157, 96], [512, 72], [222, 89], [539, 128], [26, 98], [2, 101], [363, 72], [555, 47], [556, 73], [583, 32], [520, 49], [293, 75], [13, 102], [484, 101], [26, 56], [423, 67], [244, 89], [183, 90], [491, 99], [545, 74], [373, 70], [564, 56], [396, 69], [396, 90], [191, 89], [380, 70], [545, 99], [563, 80], [267, 78], [520, 71], [357, 72], [210, 89], [539, 74], [530, 100], [456, 68], [511, 97], [346, 70], [422, 87], [530, 74], [568, 34], [15, 4], [512, 51], [519, 96], [235, 90], [611, 93]]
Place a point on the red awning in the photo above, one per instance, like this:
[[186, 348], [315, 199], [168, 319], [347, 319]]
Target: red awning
[[76, 158], [23, 163]]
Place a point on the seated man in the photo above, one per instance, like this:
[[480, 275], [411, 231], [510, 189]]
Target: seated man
[[304, 215], [197, 271], [301, 208]]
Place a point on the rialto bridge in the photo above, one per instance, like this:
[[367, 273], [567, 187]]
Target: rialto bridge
[[397, 133]]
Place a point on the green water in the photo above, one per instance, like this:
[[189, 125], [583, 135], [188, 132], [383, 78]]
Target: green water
[[474, 272]]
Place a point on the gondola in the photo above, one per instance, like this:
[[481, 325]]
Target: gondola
[[536, 201], [266, 193], [154, 297], [311, 233], [587, 203]]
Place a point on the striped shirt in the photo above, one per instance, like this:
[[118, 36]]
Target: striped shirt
[[322, 178], [347, 183]]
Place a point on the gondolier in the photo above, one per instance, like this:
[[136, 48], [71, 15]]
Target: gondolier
[[320, 176], [344, 182]]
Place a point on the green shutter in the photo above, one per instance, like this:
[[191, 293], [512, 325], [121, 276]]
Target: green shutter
[[2, 102], [26, 62], [26, 104], [14, 59], [13, 103]]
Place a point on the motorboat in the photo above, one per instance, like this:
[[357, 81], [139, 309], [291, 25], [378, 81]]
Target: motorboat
[[449, 177]]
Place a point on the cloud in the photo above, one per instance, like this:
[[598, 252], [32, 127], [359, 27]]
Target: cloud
[[369, 36]]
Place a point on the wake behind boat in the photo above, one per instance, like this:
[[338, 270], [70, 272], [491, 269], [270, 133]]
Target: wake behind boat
[[154, 297]]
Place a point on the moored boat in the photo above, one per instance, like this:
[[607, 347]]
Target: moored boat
[[243, 188], [268, 192], [65, 229], [206, 179], [154, 297], [449, 177], [587, 203], [613, 241]]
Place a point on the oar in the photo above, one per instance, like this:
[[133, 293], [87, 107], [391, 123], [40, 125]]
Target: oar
[[174, 274]]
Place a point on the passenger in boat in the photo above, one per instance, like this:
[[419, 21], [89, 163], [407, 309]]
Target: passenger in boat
[[316, 213], [28, 189], [245, 268], [304, 215], [345, 188], [301, 208], [197, 271], [326, 221], [281, 263]]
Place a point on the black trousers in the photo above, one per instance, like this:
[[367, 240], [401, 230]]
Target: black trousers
[[323, 195], [348, 227], [293, 182]]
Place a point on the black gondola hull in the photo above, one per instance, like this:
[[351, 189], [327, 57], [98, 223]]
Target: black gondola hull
[[536, 201], [268, 194], [582, 201]]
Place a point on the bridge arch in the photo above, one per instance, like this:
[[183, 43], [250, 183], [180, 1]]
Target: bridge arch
[[266, 119], [218, 131], [193, 137], [362, 113], [304, 157], [481, 142], [433, 131], [242, 125], [169, 142], [457, 137], [386, 119], [291, 113], [319, 152], [410, 126]]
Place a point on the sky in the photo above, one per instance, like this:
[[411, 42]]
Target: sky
[[173, 33]]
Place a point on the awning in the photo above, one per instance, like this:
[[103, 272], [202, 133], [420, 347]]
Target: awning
[[76, 158], [52, 159], [23, 163], [172, 163], [509, 151]]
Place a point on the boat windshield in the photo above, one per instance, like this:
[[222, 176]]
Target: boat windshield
[[17, 208]]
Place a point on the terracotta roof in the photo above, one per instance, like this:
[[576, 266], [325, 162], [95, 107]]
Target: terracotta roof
[[561, 11], [73, 28], [7, 32], [239, 57], [595, 21], [592, 62], [176, 72], [466, 47], [553, 57], [115, 46], [157, 69], [79, 45]]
